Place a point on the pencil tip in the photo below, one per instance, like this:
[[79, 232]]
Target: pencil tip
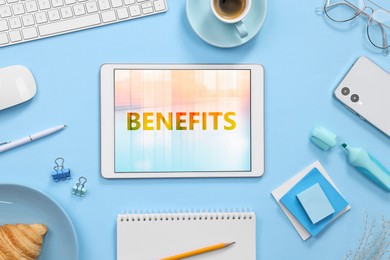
[[228, 244]]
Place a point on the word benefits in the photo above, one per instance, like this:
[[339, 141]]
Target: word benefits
[[183, 120]]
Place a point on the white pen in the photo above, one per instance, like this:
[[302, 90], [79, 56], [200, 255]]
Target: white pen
[[12, 144]]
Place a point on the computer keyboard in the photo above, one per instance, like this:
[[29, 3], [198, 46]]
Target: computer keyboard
[[27, 20]]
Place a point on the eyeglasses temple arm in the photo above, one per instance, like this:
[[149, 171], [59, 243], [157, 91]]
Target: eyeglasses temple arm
[[385, 51]]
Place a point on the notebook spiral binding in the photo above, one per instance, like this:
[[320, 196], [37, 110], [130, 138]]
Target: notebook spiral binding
[[168, 215]]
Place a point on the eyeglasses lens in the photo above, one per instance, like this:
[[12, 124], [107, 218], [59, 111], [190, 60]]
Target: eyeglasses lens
[[378, 29], [343, 10]]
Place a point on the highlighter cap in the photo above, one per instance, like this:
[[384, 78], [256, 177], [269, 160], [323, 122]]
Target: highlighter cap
[[323, 138]]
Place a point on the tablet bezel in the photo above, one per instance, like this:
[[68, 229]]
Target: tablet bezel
[[107, 120]]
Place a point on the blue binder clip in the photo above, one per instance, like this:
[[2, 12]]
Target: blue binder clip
[[60, 173], [79, 189]]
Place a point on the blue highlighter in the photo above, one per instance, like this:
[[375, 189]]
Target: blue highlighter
[[369, 166], [357, 157], [323, 137]]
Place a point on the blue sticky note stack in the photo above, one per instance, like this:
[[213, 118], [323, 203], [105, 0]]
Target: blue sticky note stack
[[292, 203], [315, 203]]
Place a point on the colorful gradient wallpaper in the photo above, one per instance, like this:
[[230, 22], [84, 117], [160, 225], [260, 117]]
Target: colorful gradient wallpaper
[[182, 120]]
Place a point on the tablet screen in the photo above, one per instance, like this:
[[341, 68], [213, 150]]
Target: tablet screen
[[182, 120]]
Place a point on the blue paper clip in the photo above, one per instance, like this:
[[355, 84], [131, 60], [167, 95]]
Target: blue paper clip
[[79, 189], [60, 173]]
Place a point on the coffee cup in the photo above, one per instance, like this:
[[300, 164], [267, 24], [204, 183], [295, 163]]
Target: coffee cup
[[232, 12]]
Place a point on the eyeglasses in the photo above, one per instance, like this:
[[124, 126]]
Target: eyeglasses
[[378, 25]]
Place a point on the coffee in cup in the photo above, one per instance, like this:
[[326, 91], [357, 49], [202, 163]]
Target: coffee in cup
[[232, 12], [229, 9]]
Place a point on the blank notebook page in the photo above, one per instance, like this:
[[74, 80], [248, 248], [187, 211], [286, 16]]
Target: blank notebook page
[[155, 236]]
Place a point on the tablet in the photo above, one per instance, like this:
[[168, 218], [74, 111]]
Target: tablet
[[176, 121]]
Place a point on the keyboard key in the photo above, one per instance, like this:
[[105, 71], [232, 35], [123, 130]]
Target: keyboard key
[[141, 1], [3, 38], [3, 25], [66, 12], [30, 33], [69, 25], [146, 5], [44, 4], [147, 10], [116, 3], [57, 3], [108, 16], [135, 10], [31, 6], [91, 7], [54, 15], [127, 2], [11, 1], [122, 13], [2, 2], [69, 2], [159, 5], [79, 9], [104, 4], [28, 20], [15, 36], [41, 17], [18, 9], [5, 11], [15, 23]]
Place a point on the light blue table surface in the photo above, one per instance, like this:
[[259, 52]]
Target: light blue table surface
[[304, 57]]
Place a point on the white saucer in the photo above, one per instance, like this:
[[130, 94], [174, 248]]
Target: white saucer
[[219, 34]]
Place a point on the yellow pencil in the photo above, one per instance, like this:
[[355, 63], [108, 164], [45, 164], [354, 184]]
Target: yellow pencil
[[198, 251]]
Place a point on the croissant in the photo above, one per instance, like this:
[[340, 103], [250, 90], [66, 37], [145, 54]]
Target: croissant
[[21, 241]]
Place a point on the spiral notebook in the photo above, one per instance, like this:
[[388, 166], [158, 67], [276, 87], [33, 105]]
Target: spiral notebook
[[158, 235]]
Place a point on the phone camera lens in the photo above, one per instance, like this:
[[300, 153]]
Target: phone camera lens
[[354, 98], [345, 91]]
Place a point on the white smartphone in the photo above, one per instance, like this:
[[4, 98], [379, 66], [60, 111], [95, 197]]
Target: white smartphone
[[365, 90]]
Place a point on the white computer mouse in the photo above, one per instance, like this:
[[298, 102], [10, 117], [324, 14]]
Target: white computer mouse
[[17, 85]]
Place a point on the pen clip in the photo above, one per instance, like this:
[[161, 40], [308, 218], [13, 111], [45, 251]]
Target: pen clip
[[5, 143]]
